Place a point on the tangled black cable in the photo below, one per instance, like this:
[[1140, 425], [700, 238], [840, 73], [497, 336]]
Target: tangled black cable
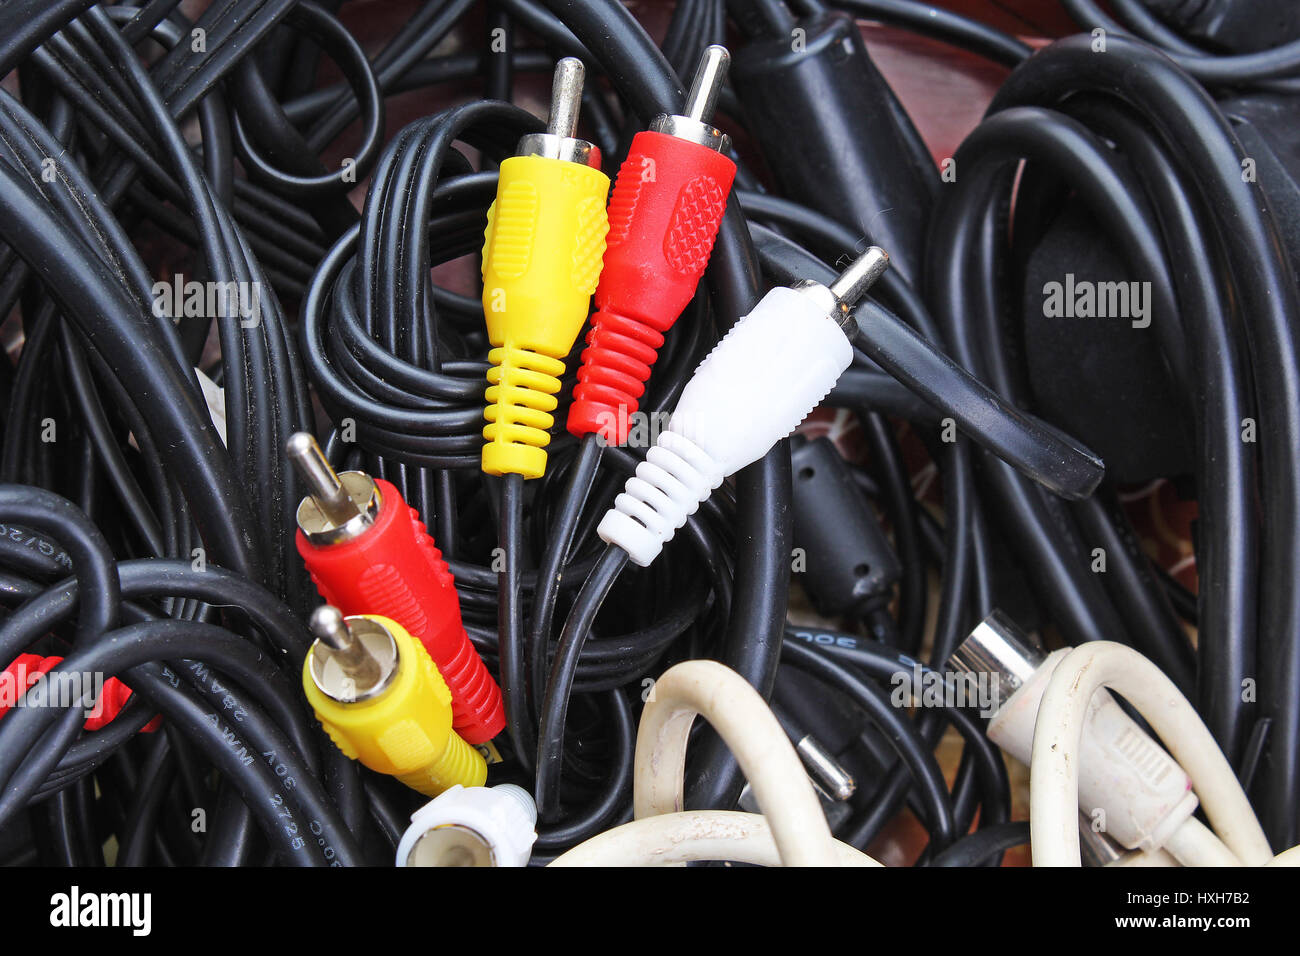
[[147, 510]]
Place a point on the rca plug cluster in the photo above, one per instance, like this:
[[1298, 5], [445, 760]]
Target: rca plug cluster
[[379, 696], [367, 551], [760, 381], [668, 202], [542, 253], [27, 669], [472, 826], [1143, 792]]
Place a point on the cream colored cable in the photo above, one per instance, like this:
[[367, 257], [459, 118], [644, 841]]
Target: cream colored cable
[[1144, 858], [689, 836], [1194, 844], [1054, 771], [742, 718], [1289, 857]]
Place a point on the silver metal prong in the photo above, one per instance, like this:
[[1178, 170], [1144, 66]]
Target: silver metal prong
[[330, 628], [322, 482], [360, 672], [566, 97], [703, 94], [831, 778], [860, 276]]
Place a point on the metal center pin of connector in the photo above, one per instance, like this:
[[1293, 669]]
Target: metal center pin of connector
[[701, 99], [843, 294], [337, 507], [560, 140], [451, 845], [352, 659], [860, 276]]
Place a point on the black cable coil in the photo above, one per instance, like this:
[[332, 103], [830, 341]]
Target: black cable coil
[[143, 539]]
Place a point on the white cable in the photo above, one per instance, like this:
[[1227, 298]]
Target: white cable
[[1054, 770], [1193, 844], [1144, 858], [729, 414], [742, 719], [690, 836], [1289, 857]]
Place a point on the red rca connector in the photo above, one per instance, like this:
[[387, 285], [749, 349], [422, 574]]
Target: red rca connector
[[664, 214], [27, 669], [368, 553]]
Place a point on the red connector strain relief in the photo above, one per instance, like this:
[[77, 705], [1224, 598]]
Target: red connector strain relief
[[664, 214], [614, 370], [18, 678], [394, 568]]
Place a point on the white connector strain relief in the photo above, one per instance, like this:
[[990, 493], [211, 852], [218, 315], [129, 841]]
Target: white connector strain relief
[[758, 383], [1141, 792], [520, 796], [667, 488]]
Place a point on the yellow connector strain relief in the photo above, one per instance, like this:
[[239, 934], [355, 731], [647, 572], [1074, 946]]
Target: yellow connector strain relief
[[405, 731], [542, 255]]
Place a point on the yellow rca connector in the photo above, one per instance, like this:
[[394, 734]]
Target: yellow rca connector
[[377, 693], [542, 255]]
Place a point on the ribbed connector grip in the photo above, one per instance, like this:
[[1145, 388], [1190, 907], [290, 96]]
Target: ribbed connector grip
[[769, 371], [459, 763], [664, 215], [542, 255], [666, 489], [615, 367], [521, 397]]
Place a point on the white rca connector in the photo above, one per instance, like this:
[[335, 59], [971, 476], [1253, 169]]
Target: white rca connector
[[760, 381], [472, 826], [1128, 784]]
